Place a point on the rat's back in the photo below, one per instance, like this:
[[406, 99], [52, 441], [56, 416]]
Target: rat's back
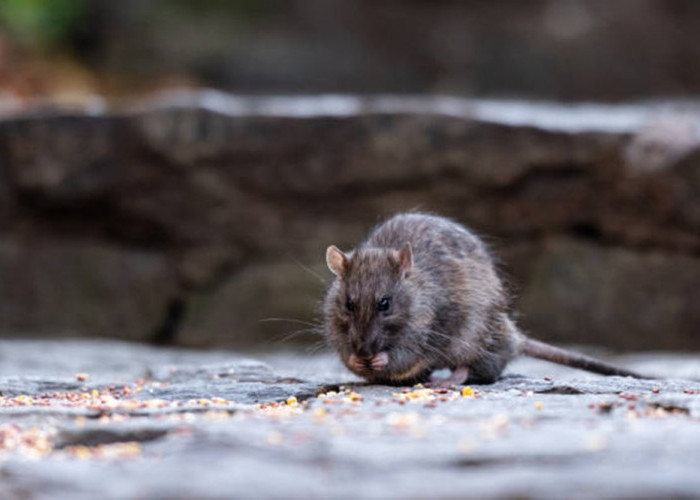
[[432, 238]]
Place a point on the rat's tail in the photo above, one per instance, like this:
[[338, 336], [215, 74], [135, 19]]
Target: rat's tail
[[540, 350]]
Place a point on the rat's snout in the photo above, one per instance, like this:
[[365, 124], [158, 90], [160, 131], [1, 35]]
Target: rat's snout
[[375, 363]]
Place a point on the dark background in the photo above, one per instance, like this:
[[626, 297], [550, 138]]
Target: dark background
[[556, 49], [196, 225]]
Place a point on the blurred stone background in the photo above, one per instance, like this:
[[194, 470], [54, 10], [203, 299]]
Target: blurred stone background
[[546, 49], [201, 219]]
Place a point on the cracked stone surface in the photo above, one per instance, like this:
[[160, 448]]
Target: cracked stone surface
[[90, 419]]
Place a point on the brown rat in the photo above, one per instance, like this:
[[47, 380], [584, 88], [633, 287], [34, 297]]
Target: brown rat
[[420, 294]]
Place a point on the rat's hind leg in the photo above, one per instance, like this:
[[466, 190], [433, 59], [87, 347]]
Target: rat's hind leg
[[457, 377]]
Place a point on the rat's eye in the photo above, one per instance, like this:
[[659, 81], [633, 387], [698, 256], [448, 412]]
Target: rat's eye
[[349, 305], [383, 304]]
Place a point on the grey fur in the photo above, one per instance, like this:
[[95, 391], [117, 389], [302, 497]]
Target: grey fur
[[448, 308]]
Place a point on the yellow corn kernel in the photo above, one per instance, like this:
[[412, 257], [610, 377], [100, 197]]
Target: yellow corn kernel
[[81, 452]]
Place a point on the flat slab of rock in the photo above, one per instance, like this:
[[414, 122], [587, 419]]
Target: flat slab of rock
[[120, 421]]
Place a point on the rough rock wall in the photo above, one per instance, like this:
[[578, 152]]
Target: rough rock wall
[[202, 219]]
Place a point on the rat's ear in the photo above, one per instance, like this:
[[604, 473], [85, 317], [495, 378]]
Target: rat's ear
[[405, 258], [337, 261]]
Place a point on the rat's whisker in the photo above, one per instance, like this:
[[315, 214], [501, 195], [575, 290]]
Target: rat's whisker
[[289, 320]]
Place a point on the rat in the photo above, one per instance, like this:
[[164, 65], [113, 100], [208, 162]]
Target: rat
[[420, 294]]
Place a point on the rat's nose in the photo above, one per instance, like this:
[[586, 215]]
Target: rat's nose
[[363, 350], [368, 348]]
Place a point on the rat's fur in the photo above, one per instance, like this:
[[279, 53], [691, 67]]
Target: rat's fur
[[447, 307]]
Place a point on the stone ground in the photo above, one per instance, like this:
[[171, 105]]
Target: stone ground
[[96, 419]]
